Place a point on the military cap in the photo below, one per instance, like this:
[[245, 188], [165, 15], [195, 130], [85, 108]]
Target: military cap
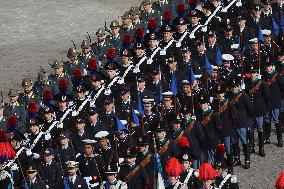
[[170, 58], [185, 156], [211, 33], [131, 152], [253, 68], [198, 43], [159, 127], [180, 21], [64, 135], [168, 94], [222, 163], [108, 100], [42, 77], [185, 48], [146, 2], [48, 151], [228, 28], [102, 135], [268, 61], [126, 15], [31, 168], [80, 88], [143, 140], [215, 68], [241, 17], [125, 53], [27, 82], [57, 64], [141, 78], [266, 2], [89, 142], [155, 71], [72, 164], [34, 121], [48, 109], [93, 111], [81, 120], [176, 119], [62, 98], [71, 52], [227, 57], [135, 10], [114, 24], [235, 46], [266, 33], [203, 98], [96, 76], [111, 169], [194, 13], [152, 36], [85, 44], [139, 46], [185, 82], [100, 31], [234, 81], [18, 136], [186, 110], [253, 41], [13, 93], [148, 101], [110, 67], [167, 28], [124, 90], [256, 7], [219, 89]]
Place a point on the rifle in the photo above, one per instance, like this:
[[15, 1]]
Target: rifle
[[254, 90], [206, 120], [223, 107], [273, 79], [74, 45]]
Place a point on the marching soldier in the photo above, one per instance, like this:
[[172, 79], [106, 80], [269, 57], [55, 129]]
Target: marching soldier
[[86, 54], [112, 182], [73, 179], [127, 27], [33, 181], [28, 96], [42, 83], [174, 169], [148, 12], [94, 123], [115, 39], [150, 117], [271, 48], [169, 107], [207, 175], [73, 63]]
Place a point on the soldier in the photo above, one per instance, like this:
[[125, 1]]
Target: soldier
[[28, 96], [86, 53], [152, 51], [244, 111], [142, 89], [112, 181], [259, 93], [141, 179], [150, 117], [187, 60], [169, 107], [65, 152], [186, 98], [175, 128], [91, 165], [33, 181], [227, 40], [174, 169], [124, 104], [207, 175], [275, 83], [243, 31], [115, 39], [182, 35], [139, 60], [148, 12], [80, 99], [42, 83], [108, 113], [227, 69], [127, 26], [73, 179], [271, 48], [157, 85], [50, 171], [73, 63], [94, 123], [136, 21], [194, 21], [168, 44]]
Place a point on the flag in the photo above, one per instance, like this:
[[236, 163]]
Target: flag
[[275, 27], [160, 181], [260, 34], [208, 66], [191, 76], [174, 84], [140, 107], [160, 92], [134, 118], [218, 57], [120, 125], [66, 183]]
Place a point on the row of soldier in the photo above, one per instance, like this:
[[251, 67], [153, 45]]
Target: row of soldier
[[166, 85]]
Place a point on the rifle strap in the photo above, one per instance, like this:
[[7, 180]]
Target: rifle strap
[[223, 108], [236, 99], [273, 79], [255, 88], [206, 120]]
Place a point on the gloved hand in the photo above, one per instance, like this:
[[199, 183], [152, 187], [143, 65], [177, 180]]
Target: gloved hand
[[36, 156]]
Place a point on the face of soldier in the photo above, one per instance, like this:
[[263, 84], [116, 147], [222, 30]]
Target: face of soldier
[[48, 158], [254, 47], [254, 75], [153, 43], [186, 165], [172, 65], [15, 143], [147, 7], [108, 107], [186, 89], [85, 50], [256, 13], [147, 108], [155, 77], [80, 95], [186, 115], [267, 40], [136, 18], [228, 33], [13, 99], [160, 135], [34, 128], [168, 36], [80, 126], [185, 55], [101, 38], [181, 28], [143, 149], [141, 85], [111, 177], [207, 184], [167, 101], [126, 22], [200, 48], [58, 71], [242, 23], [103, 143], [93, 118], [204, 106], [269, 69], [266, 7], [88, 149], [172, 180], [48, 116], [281, 58], [31, 175], [139, 52], [111, 73], [96, 83], [215, 3], [125, 59], [64, 141], [176, 126], [73, 58], [220, 95], [211, 40], [235, 89], [62, 105], [125, 97], [194, 20], [72, 171], [115, 31], [27, 89], [226, 65], [130, 160], [219, 170]]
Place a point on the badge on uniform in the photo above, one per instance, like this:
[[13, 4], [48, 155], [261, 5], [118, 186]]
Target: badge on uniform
[[149, 61], [163, 52], [178, 44]]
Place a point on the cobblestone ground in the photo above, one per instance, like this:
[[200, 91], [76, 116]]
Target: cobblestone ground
[[32, 31]]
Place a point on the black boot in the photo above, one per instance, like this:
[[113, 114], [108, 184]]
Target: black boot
[[247, 156], [251, 142], [236, 155], [261, 144], [267, 131], [230, 163], [281, 121], [279, 135]]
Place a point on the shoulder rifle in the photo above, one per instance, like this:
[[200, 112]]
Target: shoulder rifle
[[206, 120], [273, 79], [254, 90]]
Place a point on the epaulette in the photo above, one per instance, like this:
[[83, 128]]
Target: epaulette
[[234, 179]]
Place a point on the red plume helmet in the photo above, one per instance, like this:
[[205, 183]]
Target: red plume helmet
[[152, 24], [220, 149], [139, 32], [206, 172], [6, 151], [92, 64], [47, 97], [173, 167], [62, 84], [184, 142], [167, 15], [77, 74], [181, 9], [12, 123], [32, 108], [126, 41], [111, 53]]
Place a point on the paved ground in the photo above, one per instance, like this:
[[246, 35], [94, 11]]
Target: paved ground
[[32, 31]]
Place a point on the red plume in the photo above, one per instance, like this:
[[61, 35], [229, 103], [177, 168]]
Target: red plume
[[173, 167], [192, 1], [184, 142], [47, 95], [6, 151], [111, 53], [12, 121], [62, 84], [206, 172], [77, 74], [152, 23], [181, 8], [139, 32], [127, 39], [92, 64], [32, 108], [167, 15], [220, 149], [280, 181]]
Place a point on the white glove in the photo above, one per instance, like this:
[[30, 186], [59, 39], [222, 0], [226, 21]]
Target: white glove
[[29, 152], [120, 81], [60, 125], [36, 156], [74, 113], [204, 29], [149, 61], [192, 36], [107, 92], [193, 117], [239, 3], [136, 70], [14, 167], [47, 136]]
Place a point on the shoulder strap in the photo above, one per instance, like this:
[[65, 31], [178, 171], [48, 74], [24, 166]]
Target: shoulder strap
[[224, 181]]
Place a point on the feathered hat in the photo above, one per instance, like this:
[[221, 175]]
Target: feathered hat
[[139, 35], [32, 110], [152, 25], [6, 151], [126, 42], [173, 167], [12, 124], [111, 56], [280, 181], [206, 172], [47, 97], [62, 86], [77, 77]]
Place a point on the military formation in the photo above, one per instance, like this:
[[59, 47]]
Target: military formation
[[166, 97]]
